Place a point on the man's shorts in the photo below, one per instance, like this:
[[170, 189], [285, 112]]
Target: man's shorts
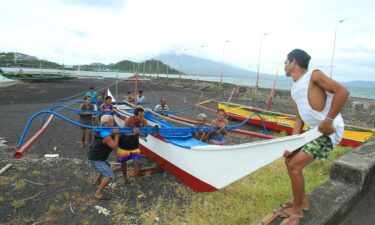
[[125, 155], [319, 148], [102, 167]]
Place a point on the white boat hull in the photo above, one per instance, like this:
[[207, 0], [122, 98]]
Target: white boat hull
[[208, 168]]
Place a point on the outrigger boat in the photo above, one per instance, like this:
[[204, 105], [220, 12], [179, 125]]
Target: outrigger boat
[[37, 77], [353, 136], [204, 167], [200, 166]]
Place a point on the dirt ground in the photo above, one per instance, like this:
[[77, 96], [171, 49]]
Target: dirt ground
[[39, 190]]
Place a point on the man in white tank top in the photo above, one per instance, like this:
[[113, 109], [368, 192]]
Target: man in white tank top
[[318, 101]]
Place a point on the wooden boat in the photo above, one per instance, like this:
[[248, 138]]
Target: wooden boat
[[37, 77], [353, 136], [207, 168]]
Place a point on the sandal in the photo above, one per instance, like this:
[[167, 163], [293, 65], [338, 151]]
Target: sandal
[[291, 220], [290, 204]]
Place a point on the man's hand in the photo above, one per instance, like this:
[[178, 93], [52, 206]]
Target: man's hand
[[136, 131], [115, 131], [287, 154], [326, 127]]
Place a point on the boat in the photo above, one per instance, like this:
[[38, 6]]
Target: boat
[[204, 167], [353, 136], [37, 77]]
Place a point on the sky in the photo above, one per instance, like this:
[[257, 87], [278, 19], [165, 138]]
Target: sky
[[241, 33]]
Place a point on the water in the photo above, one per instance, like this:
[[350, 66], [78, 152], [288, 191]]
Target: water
[[282, 83]]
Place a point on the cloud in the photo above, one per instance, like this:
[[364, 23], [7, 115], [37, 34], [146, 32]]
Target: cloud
[[115, 5]]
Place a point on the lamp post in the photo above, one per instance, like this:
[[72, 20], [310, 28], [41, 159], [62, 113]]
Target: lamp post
[[334, 43], [222, 64], [199, 54], [260, 50]]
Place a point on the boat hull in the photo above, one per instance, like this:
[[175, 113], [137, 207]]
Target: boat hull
[[207, 168], [352, 137], [39, 77]]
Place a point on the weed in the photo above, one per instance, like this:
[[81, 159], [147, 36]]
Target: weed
[[52, 208], [2, 200], [36, 173], [20, 185], [18, 203]]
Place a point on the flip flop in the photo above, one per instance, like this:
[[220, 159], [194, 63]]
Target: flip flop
[[290, 204], [291, 220], [282, 214]]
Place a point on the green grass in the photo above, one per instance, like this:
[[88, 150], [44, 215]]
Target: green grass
[[244, 202]]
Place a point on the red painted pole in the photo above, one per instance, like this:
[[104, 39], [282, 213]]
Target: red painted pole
[[22, 149]]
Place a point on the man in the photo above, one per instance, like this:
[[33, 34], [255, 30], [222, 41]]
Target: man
[[100, 149], [318, 101], [129, 143], [162, 108], [86, 118], [129, 98], [92, 94], [140, 98]]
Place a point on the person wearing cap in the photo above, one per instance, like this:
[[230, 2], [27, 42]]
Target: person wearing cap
[[103, 144]]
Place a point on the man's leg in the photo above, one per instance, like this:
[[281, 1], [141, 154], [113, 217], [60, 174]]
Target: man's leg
[[83, 135], [137, 166], [89, 135], [99, 193], [295, 165], [124, 171]]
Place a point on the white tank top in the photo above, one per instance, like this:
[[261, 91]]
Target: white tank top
[[310, 116]]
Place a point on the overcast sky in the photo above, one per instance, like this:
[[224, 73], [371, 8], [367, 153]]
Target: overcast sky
[[107, 31]]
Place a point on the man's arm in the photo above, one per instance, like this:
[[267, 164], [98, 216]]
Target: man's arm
[[340, 93], [298, 123], [112, 143]]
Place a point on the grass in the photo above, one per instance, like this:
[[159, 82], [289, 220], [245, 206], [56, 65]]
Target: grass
[[20, 185], [244, 202], [18, 203]]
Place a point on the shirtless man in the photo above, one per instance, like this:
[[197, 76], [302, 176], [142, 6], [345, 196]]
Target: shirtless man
[[318, 101]]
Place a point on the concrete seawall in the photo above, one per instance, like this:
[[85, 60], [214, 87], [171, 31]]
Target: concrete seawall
[[352, 177]]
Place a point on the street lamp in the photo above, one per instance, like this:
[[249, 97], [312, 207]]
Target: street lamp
[[222, 64], [199, 54], [260, 50], [334, 43]]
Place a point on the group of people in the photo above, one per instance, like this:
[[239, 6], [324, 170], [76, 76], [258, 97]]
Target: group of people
[[125, 145], [87, 116], [135, 100], [214, 137], [318, 100]]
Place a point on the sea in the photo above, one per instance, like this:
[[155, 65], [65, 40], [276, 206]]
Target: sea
[[281, 83]]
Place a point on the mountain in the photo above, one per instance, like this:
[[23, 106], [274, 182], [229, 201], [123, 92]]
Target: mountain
[[24, 60], [359, 84], [188, 65]]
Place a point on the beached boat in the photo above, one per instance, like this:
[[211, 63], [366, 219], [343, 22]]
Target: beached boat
[[207, 168], [37, 77], [353, 136]]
